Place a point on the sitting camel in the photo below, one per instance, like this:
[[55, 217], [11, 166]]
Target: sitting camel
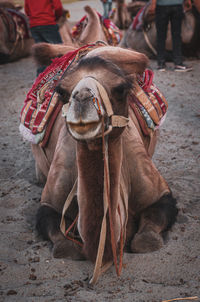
[[89, 29], [15, 39], [141, 34], [98, 158]]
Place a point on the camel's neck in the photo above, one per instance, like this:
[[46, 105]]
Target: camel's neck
[[90, 194]]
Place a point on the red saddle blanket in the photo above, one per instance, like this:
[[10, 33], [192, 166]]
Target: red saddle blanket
[[41, 105], [148, 103]]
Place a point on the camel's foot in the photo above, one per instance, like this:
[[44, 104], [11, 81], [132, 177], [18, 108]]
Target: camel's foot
[[67, 249], [146, 242]]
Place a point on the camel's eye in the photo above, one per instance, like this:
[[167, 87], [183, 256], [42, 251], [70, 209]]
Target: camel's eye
[[63, 94], [120, 91]]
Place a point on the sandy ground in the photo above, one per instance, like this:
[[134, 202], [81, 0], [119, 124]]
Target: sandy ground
[[28, 273]]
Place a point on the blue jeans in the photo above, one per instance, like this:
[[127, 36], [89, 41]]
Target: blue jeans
[[164, 15], [107, 7], [46, 33]]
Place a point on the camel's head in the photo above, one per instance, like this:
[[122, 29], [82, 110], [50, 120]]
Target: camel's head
[[95, 91]]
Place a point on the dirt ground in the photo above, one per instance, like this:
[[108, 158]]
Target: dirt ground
[[28, 273]]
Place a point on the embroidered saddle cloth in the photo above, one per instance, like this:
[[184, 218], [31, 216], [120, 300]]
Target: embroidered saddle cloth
[[148, 103], [16, 23], [42, 106]]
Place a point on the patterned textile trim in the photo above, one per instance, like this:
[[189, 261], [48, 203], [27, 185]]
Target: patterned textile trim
[[21, 22], [148, 103], [137, 21], [111, 31], [41, 101], [78, 28], [112, 13], [29, 136]]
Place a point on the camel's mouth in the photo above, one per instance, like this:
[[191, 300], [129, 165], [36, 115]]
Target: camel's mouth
[[84, 131], [83, 128]]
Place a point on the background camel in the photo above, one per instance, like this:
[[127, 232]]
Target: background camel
[[15, 39], [14, 44], [142, 36]]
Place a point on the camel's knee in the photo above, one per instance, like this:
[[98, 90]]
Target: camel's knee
[[48, 223], [160, 216], [154, 220]]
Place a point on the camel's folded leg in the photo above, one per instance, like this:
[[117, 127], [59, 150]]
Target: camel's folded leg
[[48, 225], [154, 220]]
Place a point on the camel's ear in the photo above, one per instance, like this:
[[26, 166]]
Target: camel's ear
[[129, 60], [43, 53]]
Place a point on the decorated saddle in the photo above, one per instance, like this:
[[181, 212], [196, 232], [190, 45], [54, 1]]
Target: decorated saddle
[[143, 18], [42, 106], [148, 103], [16, 23]]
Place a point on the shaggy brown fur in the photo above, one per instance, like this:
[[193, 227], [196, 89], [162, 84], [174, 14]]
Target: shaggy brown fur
[[135, 183], [43, 52], [131, 62]]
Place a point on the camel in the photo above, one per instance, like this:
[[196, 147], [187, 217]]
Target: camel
[[92, 27], [97, 144], [88, 30], [143, 38], [15, 39]]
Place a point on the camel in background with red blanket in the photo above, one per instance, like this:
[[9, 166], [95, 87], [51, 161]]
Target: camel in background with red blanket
[[141, 34], [15, 38]]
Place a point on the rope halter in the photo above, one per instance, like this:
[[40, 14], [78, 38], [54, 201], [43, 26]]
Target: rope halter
[[115, 121]]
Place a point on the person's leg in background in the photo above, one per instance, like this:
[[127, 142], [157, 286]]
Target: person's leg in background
[[105, 9], [109, 7], [50, 34], [162, 20], [176, 22], [46, 33]]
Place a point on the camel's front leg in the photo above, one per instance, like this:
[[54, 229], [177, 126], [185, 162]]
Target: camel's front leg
[[60, 179], [154, 220]]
